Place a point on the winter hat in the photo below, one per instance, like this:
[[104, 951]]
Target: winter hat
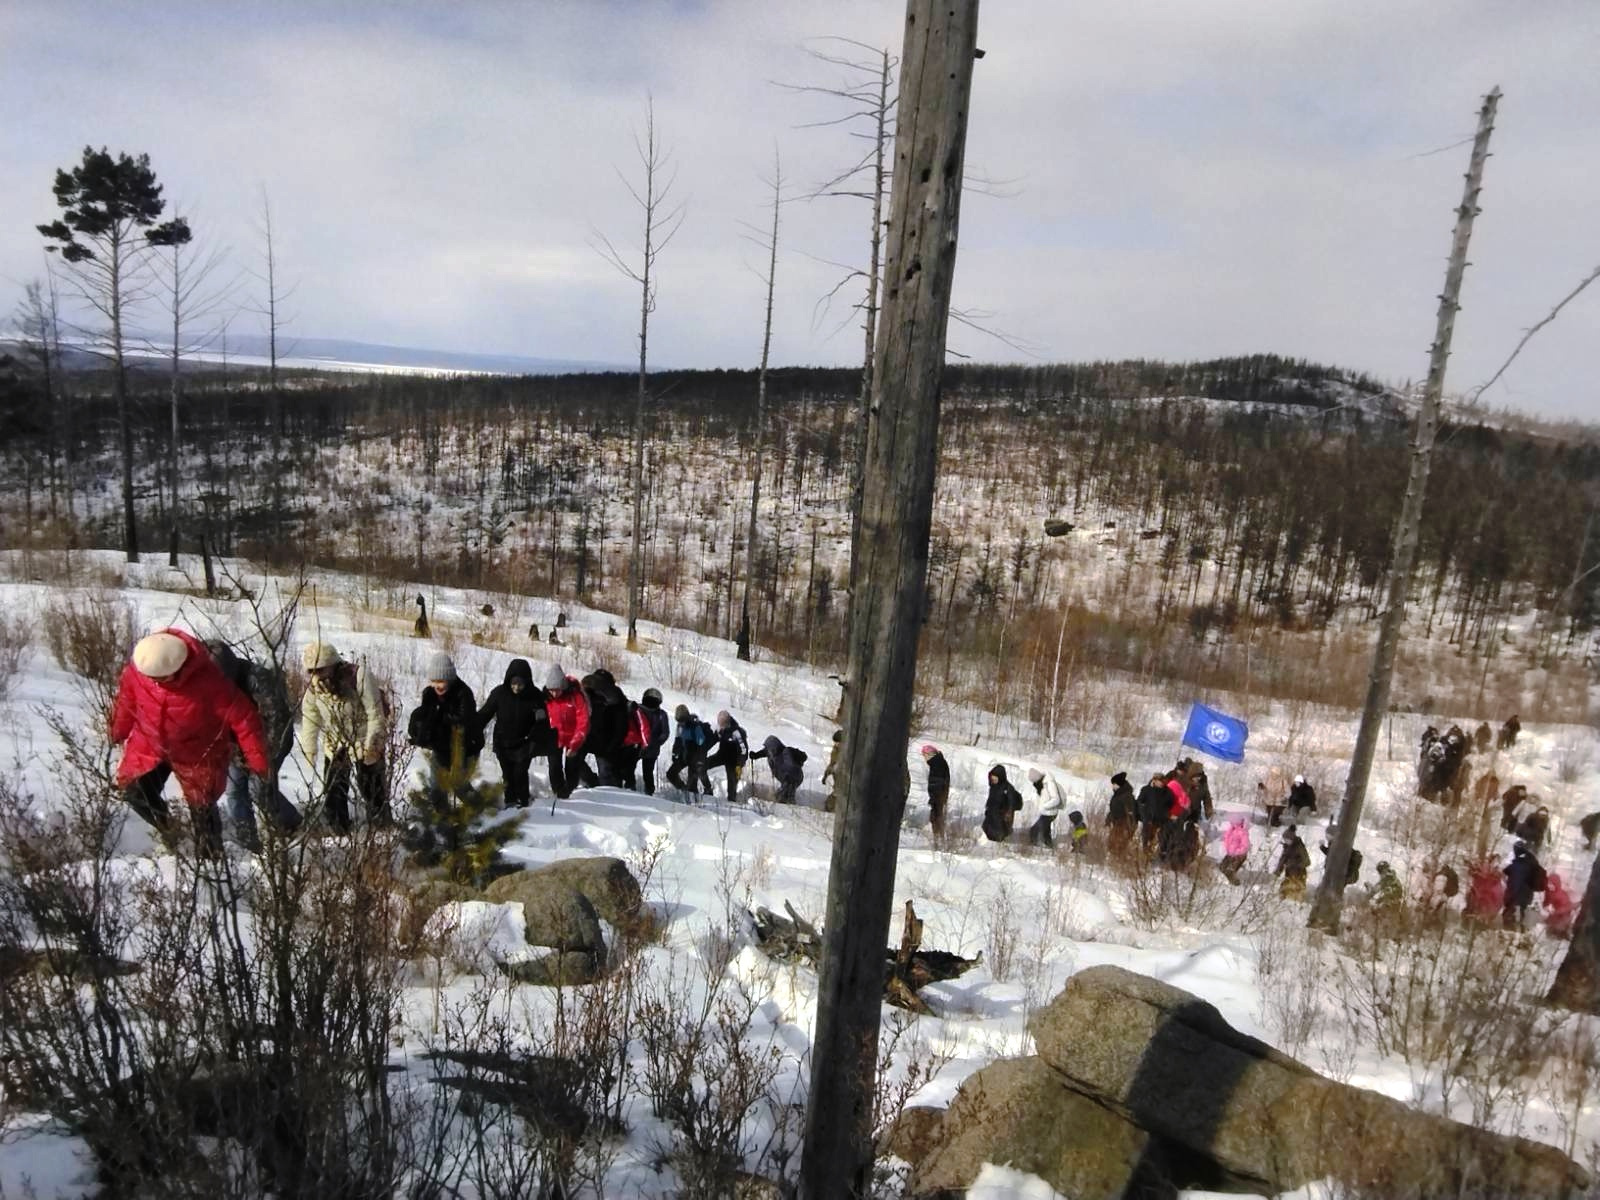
[[1035, 775], [651, 698], [723, 719], [1120, 778], [440, 666], [1299, 778], [928, 750], [318, 656], [681, 714], [160, 655], [555, 678]]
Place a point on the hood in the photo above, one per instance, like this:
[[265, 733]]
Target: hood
[[997, 774], [521, 669], [772, 746]]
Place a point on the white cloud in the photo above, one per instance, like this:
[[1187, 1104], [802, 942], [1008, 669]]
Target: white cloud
[[1190, 178]]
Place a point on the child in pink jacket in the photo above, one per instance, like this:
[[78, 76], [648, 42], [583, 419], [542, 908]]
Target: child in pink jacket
[[1235, 848]]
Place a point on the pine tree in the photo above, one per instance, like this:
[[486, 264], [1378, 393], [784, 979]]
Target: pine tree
[[454, 835]]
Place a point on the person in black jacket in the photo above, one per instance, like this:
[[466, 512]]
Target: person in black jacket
[[521, 729], [1151, 809], [268, 690], [733, 749], [1524, 877], [445, 726], [1122, 814], [1001, 809], [938, 789], [660, 735], [1301, 797]]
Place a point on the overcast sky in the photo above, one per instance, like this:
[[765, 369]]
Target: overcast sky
[[1178, 180]]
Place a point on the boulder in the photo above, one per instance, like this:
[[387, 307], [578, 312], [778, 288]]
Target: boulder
[[1021, 1113], [560, 968], [427, 898], [558, 915], [914, 1135], [605, 882], [1168, 1062]]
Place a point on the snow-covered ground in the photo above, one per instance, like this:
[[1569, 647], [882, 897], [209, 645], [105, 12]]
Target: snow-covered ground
[[1037, 917]]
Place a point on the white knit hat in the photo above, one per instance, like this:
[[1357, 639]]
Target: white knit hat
[[555, 678], [160, 655], [1035, 775], [319, 655]]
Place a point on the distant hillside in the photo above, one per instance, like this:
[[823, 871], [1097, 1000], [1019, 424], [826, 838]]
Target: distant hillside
[[335, 354]]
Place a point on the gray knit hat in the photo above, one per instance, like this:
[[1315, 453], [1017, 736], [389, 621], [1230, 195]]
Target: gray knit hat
[[555, 678], [440, 666]]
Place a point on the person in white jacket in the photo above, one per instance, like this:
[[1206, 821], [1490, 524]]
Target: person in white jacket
[[1050, 800], [342, 716]]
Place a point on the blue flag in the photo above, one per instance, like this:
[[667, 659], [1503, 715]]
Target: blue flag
[[1216, 733]]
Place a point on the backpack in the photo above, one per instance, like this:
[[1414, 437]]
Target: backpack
[[702, 734]]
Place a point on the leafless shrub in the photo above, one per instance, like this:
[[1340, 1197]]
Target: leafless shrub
[[14, 644], [677, 664], [1005, 932], [90, 633], [1198, 896]]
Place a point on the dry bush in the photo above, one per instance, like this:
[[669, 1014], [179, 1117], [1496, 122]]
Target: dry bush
[[1005, 932], [91, 633], [1289, 975], [677, 664], [15, 641], [1451, 1000], [1197, 897]]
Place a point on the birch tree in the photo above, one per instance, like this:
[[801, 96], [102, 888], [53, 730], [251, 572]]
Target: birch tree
[[661, 218]]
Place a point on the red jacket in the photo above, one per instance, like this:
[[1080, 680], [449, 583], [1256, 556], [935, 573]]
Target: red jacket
[[190, 721], [1558, 915], [1180, 800], [569, 716]]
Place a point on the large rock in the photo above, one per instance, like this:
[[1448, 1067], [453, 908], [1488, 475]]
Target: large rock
[[558, 915], [559, 968], [425, 899], [1021, 1113], [605, 882], [1168, 1062]]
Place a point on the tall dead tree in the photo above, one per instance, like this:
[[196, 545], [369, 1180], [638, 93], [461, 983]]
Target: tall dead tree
[[866, 95], [662, 220], [187, 289], [770, 279], [1329, 901], [886, 615]]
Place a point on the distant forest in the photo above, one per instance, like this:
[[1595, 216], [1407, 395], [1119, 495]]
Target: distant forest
[[1215, 498]]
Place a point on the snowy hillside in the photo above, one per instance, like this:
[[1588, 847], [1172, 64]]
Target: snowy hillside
[[1035, 916]]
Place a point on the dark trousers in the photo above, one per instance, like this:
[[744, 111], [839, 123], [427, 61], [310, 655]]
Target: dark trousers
[[514, 765], [336, 790], [1039, 834], [938, 800], [145, 798], [699, 778], [647, 770], [559, 787], [628, 767], [578, 772]]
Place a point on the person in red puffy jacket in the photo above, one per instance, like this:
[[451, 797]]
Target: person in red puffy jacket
[[1486, 889], [1558, 907], [568, 709], [180, 715]]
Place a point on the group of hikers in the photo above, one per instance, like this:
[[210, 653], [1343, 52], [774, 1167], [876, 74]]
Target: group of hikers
[[223, 725]]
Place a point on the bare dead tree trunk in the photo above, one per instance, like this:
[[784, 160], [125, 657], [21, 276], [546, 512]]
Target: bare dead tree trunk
[[886, 615], [661, 222], [869, 322], [743, 639], [1325, 909]]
